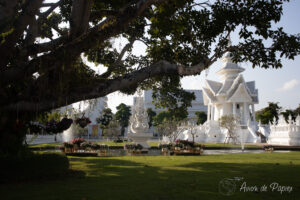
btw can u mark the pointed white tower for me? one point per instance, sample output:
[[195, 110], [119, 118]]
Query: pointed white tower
[[232, 95]]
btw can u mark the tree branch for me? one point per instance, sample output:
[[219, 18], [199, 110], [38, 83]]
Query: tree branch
[[103, 88], [79, 23], [53, 6], [7, 49], [118, 61], [107, 29], [99, 14]]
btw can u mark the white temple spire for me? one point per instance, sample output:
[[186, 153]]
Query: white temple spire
[[229, 40]]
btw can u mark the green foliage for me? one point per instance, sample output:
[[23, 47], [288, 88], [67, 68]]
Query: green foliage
[[105, 117], [266, 115], [151, 115], [288, 113], [160, 117], [48, 116], [201, 117], [297, 111], [292, 113], [122, 116], [169, 95], [173, 115]]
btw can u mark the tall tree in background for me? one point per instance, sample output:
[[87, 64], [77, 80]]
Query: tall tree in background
[[201, 117], [267, 114], [105, 117], [297, 111], [42, 46], [151, 115], [293, 113], [288, 113], [174, 115], [122, 116]]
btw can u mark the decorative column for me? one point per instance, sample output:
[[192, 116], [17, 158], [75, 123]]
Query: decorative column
[[234, 108], [253, 112], [245, 113], [212, 113]]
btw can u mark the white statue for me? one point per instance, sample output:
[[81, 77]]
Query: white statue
[[139, 127], [139, 119]]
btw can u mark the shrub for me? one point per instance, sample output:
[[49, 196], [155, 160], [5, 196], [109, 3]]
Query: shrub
[[101, 147], [133, 147], [165, 146], [185, 143]]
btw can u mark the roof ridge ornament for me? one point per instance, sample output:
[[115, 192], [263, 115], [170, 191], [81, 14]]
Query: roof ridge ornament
[[229, 40]]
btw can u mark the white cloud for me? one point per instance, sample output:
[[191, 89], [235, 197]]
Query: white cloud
[[289, 85]]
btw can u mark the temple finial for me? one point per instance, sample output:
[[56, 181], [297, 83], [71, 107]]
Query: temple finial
[[229, 40]]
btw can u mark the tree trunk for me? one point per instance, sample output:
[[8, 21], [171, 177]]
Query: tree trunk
[[122, 131], [12, 133]]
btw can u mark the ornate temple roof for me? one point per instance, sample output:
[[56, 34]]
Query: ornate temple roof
[[214, 86], [233, 86], [229, 65]]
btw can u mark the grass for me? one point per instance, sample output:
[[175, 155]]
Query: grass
[[222, 145], [48, 145], [167, 177]]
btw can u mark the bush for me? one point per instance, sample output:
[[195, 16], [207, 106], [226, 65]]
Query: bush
[[165, 146], [33, 166], [133, 147], [118, 140]]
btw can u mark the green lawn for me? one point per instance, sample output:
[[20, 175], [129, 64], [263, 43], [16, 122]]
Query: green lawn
[[169, 177], [48, 145]]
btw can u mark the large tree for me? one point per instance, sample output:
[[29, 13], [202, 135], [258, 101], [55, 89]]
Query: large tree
[[42, 46], [122, 116], [105, 118], [267, 114]]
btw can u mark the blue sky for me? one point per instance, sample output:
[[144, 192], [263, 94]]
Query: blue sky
[[274, 85]]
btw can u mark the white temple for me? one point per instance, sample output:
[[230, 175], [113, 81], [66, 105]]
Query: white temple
[[232, 96]]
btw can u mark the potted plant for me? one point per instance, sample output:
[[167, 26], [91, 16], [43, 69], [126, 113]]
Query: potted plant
[[83, 121], [51, 127], [64, 124], [68, 147]]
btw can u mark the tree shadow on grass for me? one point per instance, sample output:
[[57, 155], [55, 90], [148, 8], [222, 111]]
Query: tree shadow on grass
[[117, 178]]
